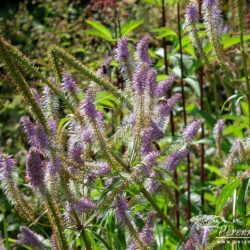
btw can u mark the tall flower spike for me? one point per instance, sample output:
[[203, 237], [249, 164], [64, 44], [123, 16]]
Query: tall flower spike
[[120, 208], [87, 135], [165, 108], [151, 82], [75, 151], [88, 106], [68, 84], [217, 134], [121, 51], [35, 168], [213, 23], [149, 161], [7, 164], [146, 234], [42, 139], [146, 135], [174, 159], [192, 14], [54, 165], [142, 50], [30, 238], [84, 206], [139, 78], [191, 130], [29, 129], [165, 85]]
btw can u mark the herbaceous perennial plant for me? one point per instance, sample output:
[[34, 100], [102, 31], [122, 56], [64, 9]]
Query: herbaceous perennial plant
[[76, 168]]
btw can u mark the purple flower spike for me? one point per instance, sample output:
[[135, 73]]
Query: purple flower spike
[[146, 234], [42, 140], [75, 151], [35, 168], [218, 129], [209, 3], [55, 165], [139, 78], [120, 208], [87, 135], [151, 81], [149, 161], [68, 83], [191, 130], [30, 238], [165, 85], [121, 51], [7, 164], [192, 15], [84, 206], [52, 124], [146, 136], [88, 106], [142, 50], [29, 129], [174, 159], [165, 108]]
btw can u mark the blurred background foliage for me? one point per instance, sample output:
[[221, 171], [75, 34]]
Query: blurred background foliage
[[89, 30]]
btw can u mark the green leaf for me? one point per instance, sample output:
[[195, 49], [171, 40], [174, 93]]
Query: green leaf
[[240, 200], [130, 26], [99, 30], [226, 192]]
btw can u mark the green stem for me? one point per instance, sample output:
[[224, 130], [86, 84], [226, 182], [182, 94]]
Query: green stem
[[161, 214], [56, 219]]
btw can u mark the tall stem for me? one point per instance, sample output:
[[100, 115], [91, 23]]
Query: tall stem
[[184, 113], [238, 5], [172, 125], [202, 148]]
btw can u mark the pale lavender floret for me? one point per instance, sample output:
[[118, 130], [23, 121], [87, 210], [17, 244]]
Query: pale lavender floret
[[121, 51], [142, 50], [191, 130], [35, 168], [7, 164], [174, 159], [29, 129], [165, 108], [88, 106], [120, 208], [54, 165], [75, 151], [30, 238], [146, 234], [84, 206], [139, 78], [165, 85], [149, 161], [68, 83], [130, 120], [87, 135], [103, 70], [146, 135], [192, 14]]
